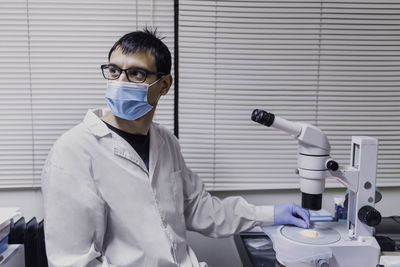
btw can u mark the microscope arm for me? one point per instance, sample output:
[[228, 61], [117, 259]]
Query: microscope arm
[[348, 176]]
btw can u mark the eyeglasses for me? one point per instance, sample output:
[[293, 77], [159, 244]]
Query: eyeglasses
[[134, 74]]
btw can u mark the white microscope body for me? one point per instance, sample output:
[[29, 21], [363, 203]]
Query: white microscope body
[[336, 244]]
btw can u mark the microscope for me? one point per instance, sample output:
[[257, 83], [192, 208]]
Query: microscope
[[329, 244]]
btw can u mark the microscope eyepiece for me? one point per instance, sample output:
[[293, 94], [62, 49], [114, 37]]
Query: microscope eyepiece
[[263, 117]]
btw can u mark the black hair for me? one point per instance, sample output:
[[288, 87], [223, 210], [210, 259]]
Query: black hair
[[144, 40]]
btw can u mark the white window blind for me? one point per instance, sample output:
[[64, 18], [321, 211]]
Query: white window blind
[[50, 57], [334, 64]]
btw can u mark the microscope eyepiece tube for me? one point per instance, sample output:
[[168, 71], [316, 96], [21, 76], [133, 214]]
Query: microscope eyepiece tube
[[269, 119]]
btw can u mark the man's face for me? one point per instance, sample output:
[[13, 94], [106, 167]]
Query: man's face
[[144, 60]]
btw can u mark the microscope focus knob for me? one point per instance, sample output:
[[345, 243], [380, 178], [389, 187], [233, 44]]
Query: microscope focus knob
[[323, 263], [369, 215], [332, 165]]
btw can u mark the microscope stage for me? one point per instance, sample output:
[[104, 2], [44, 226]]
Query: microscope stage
[[316, 235]]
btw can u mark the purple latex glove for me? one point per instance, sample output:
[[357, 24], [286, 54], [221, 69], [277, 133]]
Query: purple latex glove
[[290, 213]]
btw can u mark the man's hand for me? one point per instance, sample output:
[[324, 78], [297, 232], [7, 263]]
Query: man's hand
[[290, 213]]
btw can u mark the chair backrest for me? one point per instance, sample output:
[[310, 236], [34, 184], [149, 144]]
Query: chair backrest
[[17, 231], [41, 248], [30, 243], [32, 236]]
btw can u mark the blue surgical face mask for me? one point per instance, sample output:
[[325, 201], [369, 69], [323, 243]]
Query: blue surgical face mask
[[128, 100]]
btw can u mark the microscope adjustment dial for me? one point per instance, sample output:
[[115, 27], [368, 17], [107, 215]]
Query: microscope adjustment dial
[[369, 215]]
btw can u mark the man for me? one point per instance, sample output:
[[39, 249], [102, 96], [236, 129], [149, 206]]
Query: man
[[116, 189]]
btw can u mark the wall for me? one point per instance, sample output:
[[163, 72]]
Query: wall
[[28, 200], [217, 252]]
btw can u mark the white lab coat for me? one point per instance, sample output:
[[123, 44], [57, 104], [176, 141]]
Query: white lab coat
[[102, 206]]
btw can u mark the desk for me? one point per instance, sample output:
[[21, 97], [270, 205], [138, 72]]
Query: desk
[[255, 249]]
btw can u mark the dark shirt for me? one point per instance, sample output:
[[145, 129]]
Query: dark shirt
[[139, 142]]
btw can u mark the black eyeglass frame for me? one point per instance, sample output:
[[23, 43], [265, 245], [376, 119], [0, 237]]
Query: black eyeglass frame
[[147, 72]]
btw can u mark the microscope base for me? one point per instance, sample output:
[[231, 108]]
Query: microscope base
[[328, 246]]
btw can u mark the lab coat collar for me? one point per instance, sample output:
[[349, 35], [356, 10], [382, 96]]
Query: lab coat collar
[[94, 123], [97, 127], [156, 144], [128, 153]]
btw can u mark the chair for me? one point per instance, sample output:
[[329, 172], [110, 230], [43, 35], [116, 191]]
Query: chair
[[31, 235], [17, 231]]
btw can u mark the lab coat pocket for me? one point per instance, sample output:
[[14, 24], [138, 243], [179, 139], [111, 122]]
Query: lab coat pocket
[[177, 191]]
